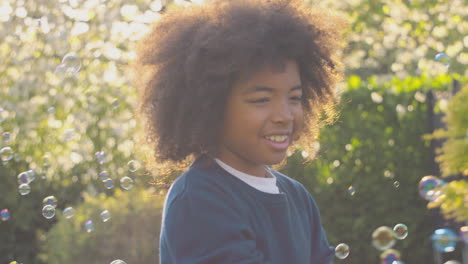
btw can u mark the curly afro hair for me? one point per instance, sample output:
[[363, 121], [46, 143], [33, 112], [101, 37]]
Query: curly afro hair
[[193, 55]]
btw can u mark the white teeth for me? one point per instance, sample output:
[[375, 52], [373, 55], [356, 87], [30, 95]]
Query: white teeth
[[277, 138]]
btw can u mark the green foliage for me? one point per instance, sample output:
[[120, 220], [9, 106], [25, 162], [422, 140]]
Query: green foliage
[[453, 158], [387, 39], [131, 234], [375, 147], [400, 37]]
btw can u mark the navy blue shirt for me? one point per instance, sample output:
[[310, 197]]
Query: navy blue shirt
[[211, 216]]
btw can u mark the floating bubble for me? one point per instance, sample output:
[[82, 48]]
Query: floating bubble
[[429, 187], [105, 216], [351, 190], [103, 175], [108, 183], [464, 233], [89, 226], [68, 134], [118, 261], [133, 165], [31, 174], [382, 238], [396, 184], [442, 58], [389, 256], [24, 189], [48, 211], [444, 240], [6, 137], [50, 200], [126, 183], [4, 215], [71, 65], [51, 110], [115, 103], [69, 212], [342, 251], [23, 178], [101, 157], [400, 231], [6, 154]]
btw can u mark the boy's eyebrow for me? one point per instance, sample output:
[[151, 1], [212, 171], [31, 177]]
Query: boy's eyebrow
[[268, 89]]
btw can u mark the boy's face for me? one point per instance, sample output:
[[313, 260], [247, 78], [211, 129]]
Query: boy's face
[[263, 115]]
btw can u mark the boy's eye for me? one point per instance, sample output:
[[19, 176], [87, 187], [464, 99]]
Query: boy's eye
[[259, 100], [265, 99]]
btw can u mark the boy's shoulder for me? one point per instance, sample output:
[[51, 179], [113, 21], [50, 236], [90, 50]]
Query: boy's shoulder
[[199, 180], [287, 181]]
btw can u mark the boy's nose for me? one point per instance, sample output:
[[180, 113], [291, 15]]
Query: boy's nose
[[282, 113]]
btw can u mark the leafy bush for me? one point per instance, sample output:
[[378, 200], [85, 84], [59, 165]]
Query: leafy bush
[[376, 148], [131, 234]]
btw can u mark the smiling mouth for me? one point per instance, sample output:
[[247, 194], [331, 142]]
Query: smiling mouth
[[278, 142], [277, 138]]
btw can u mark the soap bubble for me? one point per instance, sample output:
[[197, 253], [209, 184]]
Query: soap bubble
[[103, 175], [429, 187], [69, 212], [50, 200], [101, 157], [68, 134], [31, 174], [23, 178], [71, 65], [400, 231], [118, 261], [396, 184], [24, 189], [126, 183], [442, 58], [342, 251], [389, 256], [6, 137], [4, 215], [105, 216], [48, 211], [351, 190], [133, 165], [115, 103], [444, 240], [382, 238], [89, 226], [108, 183], [51, 110], [6, 154]]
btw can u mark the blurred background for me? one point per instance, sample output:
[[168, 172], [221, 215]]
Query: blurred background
[[389, 176]]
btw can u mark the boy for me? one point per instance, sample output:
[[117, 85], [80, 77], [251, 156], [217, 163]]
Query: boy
[[234, 84]]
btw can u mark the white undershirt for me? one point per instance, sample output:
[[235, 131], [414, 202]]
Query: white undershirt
[[267, 185]]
